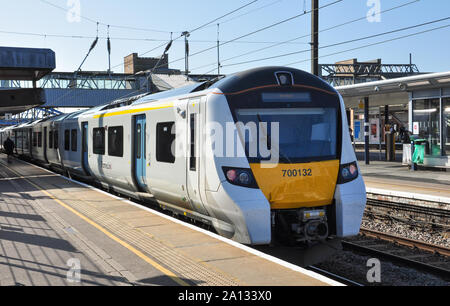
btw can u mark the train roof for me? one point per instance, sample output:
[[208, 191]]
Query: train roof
[[267, 76], [170, 93], [258, 77]]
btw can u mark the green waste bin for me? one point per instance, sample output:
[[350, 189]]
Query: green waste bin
[[419, 151]]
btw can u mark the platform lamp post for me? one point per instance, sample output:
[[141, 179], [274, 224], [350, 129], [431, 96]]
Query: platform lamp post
[[366, 131]]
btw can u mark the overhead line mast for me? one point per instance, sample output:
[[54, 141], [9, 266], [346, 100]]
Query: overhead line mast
[[315, 37]]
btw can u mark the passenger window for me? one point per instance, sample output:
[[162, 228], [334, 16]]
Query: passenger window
[[115, 141], [99, 141], [50, 140], [145, 140], [74, 141], [40, 139], [138, 141], [193, 158], [34, 139], [165, 137], [67, 140], [56, 140]]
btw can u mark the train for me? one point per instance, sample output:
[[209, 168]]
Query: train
[[262, 155]]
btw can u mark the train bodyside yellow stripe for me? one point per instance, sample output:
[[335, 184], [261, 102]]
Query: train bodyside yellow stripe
[[133, 111]]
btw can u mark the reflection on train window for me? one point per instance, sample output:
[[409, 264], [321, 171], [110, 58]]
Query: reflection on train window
[[67, 140], [115, 141], [56, 140], [40, 139], [50, 140], [99, 141], [165, 137], [74, 140]]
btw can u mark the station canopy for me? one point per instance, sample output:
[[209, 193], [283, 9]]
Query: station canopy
[[25, 63], [393, 91]]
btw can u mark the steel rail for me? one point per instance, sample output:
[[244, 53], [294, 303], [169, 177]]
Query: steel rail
[[437, 249], [371, 250]]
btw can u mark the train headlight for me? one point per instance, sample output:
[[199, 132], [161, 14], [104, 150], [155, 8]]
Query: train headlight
[[348, 173], [244, 178], [240, 177]]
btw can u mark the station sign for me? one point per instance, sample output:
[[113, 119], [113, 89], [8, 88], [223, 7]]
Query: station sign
[[416, 129]]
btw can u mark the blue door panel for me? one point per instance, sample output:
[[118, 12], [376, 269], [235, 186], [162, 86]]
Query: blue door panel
[[140, 151]]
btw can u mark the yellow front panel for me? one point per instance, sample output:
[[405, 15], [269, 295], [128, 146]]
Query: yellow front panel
[[288, 186]]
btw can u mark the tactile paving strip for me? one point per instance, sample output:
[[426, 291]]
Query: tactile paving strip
[[188, 269], [183, 266]]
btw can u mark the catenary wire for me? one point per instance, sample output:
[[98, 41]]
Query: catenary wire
[[256, 31], [303, 36], [341, 43]]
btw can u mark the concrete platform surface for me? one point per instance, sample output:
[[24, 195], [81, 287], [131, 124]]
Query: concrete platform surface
[[395, 177], [54, 231]]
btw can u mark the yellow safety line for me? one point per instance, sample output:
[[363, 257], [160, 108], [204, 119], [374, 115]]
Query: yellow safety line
[[110, 235], [132, 111]]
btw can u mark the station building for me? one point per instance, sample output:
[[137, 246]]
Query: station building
[[419, 103]]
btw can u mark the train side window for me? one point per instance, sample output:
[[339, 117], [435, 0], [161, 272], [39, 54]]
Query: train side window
[[34, 139], [145, 139], [40, 139], [99, 141], [193, 158], [74, 143], [115, 141], [165, 137], [138, 141], [67, 140], [50, 139], [56, 140]]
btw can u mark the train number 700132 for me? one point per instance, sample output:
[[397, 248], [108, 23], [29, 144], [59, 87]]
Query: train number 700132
[[297, 172]]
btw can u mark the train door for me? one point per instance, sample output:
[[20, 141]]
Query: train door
[[193, 169], [45, 145], [140, 151], [85, 147]]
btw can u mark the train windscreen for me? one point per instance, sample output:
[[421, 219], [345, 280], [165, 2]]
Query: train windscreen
[[296, 134]]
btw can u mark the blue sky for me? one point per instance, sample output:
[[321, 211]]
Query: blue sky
[[430, 50]]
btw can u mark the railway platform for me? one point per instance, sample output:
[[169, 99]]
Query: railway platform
[[395, 176], [58, 232], [394, 182]]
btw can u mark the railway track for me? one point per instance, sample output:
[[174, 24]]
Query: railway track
[[415, 254], [436, 249], [437, 218]]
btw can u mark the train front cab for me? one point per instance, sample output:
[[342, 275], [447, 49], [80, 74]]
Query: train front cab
[[312, 188]]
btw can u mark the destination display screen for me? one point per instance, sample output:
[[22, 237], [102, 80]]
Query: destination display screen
[[286, 97]]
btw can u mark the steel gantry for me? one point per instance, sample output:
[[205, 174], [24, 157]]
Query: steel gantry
[[347, 74]]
